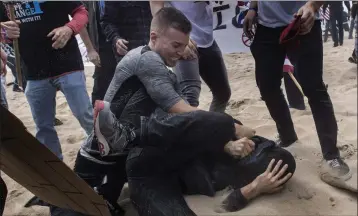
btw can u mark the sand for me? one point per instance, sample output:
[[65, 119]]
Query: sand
[[305, 194]]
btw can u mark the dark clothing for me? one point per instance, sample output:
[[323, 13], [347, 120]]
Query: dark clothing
[[3, 194], [336, 19], [173, 141], [129, 20], [102, 75], [38, 19], [158, 168], [211, 68], [269, 57], [294, 96], [11, 63], [336, 6], [337, 23]]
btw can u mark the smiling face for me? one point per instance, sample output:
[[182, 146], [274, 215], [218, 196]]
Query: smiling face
[[170, 44]]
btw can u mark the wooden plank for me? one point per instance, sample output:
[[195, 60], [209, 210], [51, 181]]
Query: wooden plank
[[103, 209], [33, 166], [39, 166], [65, 200], [21, 167], [80, 185], [82, 200]]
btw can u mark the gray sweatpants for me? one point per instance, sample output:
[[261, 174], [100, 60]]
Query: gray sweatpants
[[211, 67]]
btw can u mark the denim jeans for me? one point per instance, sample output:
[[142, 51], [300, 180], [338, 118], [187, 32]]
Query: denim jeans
[[269, 57], [211, 67], [41, 95]]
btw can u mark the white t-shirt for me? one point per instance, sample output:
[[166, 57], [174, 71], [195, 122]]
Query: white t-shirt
[[200, 14]]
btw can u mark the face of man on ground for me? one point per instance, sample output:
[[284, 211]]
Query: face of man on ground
[[170, 44]]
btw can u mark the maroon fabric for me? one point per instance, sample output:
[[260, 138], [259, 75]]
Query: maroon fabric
[[289, 34]]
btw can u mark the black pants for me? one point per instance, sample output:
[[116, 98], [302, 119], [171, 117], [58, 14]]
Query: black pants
[[103, 75], [171, 142], [337, 22], [11, 63], [211, 68], [269, 57], [3, 194], [176, 143]]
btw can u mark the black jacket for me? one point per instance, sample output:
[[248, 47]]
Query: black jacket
[[129, 20]]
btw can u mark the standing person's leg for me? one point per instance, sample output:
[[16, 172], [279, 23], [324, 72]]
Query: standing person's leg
[[309, 60], [328, 24], [269, 58], [340, 28], [351, 28], [73, 86], [213, 71], [334, 32], [11, 64], [103, 75], [41, 97], [188, 76], [3, 100]]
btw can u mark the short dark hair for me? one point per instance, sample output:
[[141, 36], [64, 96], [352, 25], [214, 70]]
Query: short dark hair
[[169, 17]]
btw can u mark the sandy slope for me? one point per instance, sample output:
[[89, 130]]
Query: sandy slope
[[305, 194]]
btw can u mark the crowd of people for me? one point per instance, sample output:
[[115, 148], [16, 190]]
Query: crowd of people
[[143, 123]]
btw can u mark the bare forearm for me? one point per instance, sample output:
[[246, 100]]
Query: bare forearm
[[86, 39], [155, 6]]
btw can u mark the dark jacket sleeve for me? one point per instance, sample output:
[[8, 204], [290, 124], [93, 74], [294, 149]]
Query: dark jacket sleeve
[[3, 13], [348, 5], [109, 28], [354, 10]]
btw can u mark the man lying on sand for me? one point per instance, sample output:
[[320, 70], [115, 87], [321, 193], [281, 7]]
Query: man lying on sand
[[144, 117], [304, 46]]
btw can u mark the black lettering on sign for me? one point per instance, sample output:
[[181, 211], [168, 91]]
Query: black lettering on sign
[[217, 9]]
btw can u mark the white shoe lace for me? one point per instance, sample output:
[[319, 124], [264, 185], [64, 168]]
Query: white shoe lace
[[334, 163]]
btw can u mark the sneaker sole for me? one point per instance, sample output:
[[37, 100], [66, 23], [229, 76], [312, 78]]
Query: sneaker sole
[[102, 142]]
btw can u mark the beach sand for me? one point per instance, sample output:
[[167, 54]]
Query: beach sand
[[305, 194]]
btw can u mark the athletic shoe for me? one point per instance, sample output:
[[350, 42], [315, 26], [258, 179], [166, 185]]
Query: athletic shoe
[[112, 136], [337, 168]]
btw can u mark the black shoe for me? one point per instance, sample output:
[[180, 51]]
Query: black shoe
[[335, 45], [279, 142], [35, 201], [57, 122], [16, 88], [341, 44], [352, 60]]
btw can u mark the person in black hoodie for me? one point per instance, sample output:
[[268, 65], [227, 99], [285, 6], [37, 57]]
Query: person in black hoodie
[[126, 25], [103, 74]]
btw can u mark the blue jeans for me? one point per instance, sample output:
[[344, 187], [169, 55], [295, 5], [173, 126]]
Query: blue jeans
[[41, 95]]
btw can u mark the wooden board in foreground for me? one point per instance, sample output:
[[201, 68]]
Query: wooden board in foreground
[[36, 168]]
